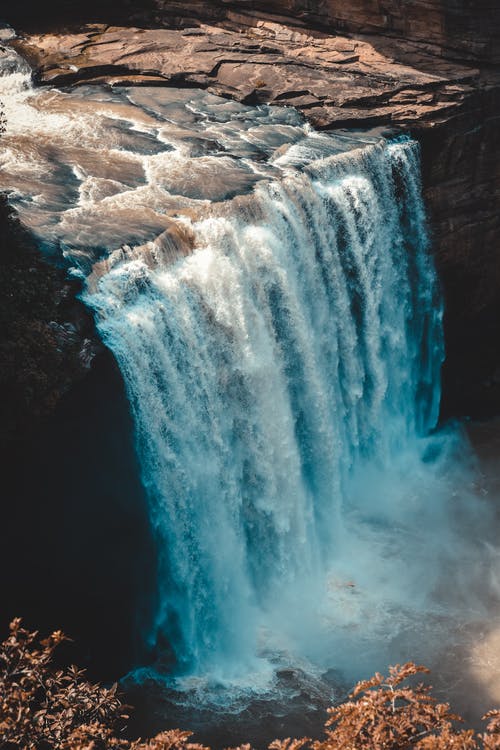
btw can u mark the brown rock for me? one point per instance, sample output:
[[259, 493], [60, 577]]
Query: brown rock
[[454, 28], [349, 79], [452, 106]]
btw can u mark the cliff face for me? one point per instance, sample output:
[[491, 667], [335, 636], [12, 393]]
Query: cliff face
[[456, 28], [74, 536], [47, 338], [429, 67], [461, 171], [459, 27]]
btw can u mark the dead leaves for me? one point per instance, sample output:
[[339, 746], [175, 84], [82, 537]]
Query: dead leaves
[[58, 709]]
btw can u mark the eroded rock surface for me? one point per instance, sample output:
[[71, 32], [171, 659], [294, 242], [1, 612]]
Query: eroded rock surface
[[337, 81], [452, 28], [394, 79]]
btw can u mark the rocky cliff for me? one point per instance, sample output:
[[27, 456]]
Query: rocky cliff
[[75, 545], [462, 29], [47, 337], [455, 28], [424, 66], [461, 170]]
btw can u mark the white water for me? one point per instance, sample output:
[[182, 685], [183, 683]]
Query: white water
[[283, 380], [281, 352]]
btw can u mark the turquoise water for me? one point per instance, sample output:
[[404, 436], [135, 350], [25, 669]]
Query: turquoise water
[[278, 376]]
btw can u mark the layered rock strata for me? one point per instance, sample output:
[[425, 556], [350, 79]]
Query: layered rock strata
[[344, 81], [452, 28], [335, 80]]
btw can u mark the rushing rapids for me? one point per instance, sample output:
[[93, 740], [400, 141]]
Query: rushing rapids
[[270, 298]]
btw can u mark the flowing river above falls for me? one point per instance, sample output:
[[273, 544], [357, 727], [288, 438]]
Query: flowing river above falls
[[270, 297]]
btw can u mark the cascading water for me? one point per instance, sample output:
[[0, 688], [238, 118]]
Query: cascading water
[[299, 342], [270, 298]]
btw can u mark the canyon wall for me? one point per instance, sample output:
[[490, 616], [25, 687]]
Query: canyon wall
[[75, 544], [460, 27]]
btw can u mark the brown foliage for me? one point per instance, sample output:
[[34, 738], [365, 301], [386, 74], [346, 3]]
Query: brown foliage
[[491, 738], [384, 714], [45, 708]]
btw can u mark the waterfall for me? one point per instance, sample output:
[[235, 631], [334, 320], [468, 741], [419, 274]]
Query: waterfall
[[295, 350], [269, 295]]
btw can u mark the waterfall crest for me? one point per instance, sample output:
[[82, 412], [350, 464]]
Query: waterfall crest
[[298, 345]]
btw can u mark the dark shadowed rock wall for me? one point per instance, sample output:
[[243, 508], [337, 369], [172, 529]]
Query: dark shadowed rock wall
[[76, 550], [47, 337], [468, 29], [461, 171], [75, 545]]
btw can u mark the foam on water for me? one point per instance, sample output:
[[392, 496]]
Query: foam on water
[[284, 380], [93, 168]]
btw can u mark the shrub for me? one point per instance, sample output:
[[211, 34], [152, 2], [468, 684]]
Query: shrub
[[46, 708], [42, 706]]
